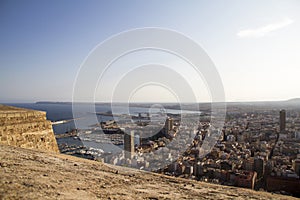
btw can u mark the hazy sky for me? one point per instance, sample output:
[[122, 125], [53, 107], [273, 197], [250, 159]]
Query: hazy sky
[[254, 44]]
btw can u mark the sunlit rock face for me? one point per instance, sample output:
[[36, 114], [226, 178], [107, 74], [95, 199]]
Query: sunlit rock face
[[26, 128]]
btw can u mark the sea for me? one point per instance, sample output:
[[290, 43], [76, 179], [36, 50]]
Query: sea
[[63, 111], [86, 120]]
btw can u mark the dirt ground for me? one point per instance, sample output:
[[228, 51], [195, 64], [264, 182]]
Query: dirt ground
[[29, 174]]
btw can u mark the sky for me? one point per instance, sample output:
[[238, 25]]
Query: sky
[[254, 45]]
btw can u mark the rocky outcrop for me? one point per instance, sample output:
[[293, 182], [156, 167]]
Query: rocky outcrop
[[26, 128]]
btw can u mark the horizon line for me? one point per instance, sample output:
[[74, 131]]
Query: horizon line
[[141, 102]]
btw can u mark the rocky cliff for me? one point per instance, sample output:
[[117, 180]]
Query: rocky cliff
[[26, 128]]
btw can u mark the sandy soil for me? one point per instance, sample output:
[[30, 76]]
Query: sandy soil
[[29, 174]]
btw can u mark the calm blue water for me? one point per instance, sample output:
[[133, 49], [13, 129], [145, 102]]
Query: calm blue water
[[62, 111], [56, 112]]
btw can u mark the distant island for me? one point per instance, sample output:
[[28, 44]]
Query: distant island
[[52, 102]]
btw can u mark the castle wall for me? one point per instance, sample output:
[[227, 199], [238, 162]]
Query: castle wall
[[26, 128]]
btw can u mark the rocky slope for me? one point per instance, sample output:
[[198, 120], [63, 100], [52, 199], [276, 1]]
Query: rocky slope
[[30, 174]]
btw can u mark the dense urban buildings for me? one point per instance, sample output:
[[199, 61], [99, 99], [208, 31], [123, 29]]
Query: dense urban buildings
[[258, 147]]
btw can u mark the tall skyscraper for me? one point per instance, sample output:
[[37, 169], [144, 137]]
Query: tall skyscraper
[[129, 143], [282, 120], [168, 125], [296, 166], [259, 166]]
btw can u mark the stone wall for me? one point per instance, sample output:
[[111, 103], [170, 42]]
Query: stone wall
[[26, 128]]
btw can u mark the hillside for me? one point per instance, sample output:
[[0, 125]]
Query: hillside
[[31, 174], [295, 100]]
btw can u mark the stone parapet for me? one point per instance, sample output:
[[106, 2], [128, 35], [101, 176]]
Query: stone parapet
[[26, 128]]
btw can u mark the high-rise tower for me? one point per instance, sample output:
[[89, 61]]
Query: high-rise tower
[[129, 143], [282, 120], [168, 125]]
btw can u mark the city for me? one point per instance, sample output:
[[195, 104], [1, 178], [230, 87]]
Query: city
[[150, 99], [258, 148]]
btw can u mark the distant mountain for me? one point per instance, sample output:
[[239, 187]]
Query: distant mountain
[[295, 100]]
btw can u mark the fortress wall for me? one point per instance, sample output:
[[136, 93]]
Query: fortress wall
[[26, 128]]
